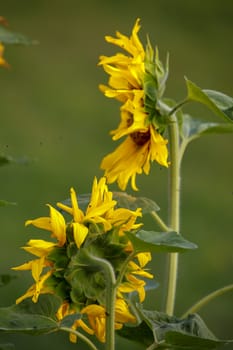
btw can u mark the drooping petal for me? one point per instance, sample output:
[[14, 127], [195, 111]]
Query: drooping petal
[[80, 232], [58, 225]]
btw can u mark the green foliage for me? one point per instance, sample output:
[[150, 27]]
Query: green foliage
[[124, 200], [31, 318], [150, 241], [219, 103], [192, 128], [170, 332]]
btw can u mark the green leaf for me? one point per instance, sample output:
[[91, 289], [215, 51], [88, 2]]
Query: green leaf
[[9, 37], [219, 103], [68, 321], [124, 200], [140, 334], [191, 128], [150, 241], [29, 317], [172, 332]]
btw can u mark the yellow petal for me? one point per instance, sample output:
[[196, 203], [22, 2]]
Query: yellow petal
[[80, 232], [58, 225]]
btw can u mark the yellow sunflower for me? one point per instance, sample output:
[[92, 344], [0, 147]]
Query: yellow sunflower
[[136, 80]]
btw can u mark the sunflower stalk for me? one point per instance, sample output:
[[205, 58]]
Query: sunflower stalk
[[110, 299], [174, 211]]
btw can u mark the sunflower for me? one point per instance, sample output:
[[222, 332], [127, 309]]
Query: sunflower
[[61, 268], [137, 80]]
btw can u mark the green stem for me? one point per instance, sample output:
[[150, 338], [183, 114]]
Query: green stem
[[110, 299], [178, 106], [197, 306], [81, 336], [160, 222], [174, 214]]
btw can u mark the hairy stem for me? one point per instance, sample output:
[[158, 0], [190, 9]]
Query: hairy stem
[[174, 210], [110, 299]]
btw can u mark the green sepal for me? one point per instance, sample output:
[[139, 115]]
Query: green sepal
[[32, 318], [150, 241], [170, 332], [192, 128], [59, 257], [9, 37], [219, 103]]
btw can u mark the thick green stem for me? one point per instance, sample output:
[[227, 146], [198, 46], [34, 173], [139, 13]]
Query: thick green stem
[[174, 214], [197, 306], [110, 299], [81, 336]]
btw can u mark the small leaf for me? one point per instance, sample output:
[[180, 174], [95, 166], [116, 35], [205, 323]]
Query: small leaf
[[150, 241], [9, 37], [192, 128], [29, 317], [219, 103]]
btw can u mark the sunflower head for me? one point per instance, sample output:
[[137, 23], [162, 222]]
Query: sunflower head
[[62, 265], [137, 79]]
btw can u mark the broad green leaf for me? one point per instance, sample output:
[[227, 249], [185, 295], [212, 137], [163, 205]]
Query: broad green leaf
[[192, 128], [150, 241], [5, 279], [9, 37], [29, 317], [124, 200], [140, 334], [172, 332], [219, 103], [183, 341]]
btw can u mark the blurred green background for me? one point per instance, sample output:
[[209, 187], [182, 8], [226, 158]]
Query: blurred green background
[[53, 113]]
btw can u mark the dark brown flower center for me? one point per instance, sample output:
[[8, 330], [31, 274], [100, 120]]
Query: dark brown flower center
[[140, 138]]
